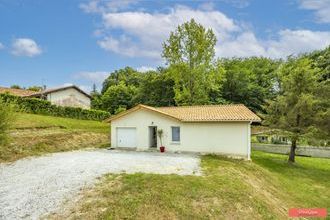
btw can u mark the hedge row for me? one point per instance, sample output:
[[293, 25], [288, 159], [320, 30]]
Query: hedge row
[[43, 107]]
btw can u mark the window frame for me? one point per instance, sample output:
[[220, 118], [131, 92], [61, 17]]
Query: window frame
[[179, 129]]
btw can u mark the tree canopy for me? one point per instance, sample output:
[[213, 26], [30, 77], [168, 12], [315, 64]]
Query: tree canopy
[[296, 107], [189, 53]]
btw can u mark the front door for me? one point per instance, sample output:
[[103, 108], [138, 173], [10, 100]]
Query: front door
[[153, 136]]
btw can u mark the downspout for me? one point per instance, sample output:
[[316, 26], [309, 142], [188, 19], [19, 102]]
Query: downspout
[[249, 141]]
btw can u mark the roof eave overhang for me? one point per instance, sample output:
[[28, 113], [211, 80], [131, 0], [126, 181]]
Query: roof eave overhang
[[191, 121]]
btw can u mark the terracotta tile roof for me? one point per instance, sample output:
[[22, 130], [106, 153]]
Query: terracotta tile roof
[[201, 113], [17, 92]]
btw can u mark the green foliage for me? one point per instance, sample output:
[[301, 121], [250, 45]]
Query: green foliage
[[120, 109], [6, 120], [15, 87], [96, 102], [322, 113], [294, 109], [128, 76], [321, 60], [250, 81], [156, 89], [160, 134], [35, 88], [189, 52], [297, 107], [117, 96], [43, 107], [126, 88]]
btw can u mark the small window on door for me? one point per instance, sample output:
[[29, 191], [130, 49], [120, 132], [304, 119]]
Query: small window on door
[[176, 134]]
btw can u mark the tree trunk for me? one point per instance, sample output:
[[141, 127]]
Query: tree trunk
[[293, 151]]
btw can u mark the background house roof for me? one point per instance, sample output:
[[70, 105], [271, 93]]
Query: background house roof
[[17, 92], [47, 91], [203, 113]]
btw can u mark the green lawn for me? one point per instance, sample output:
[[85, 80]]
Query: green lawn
[[229, 189], [33, 134]]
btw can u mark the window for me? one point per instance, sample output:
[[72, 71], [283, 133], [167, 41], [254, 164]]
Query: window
[[176, 134]]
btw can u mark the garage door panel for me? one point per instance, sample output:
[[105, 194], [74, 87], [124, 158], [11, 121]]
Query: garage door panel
[[126, 137]]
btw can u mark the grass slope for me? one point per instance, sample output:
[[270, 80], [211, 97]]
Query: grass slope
[[230, 189], [38, 134], [33, 121]]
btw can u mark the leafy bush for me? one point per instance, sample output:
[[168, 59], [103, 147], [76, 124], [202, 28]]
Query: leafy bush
[[43, 107], [6, 119]]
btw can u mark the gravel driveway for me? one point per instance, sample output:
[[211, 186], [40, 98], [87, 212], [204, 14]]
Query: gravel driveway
[[30, 188]]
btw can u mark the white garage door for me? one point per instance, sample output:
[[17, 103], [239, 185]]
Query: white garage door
[[126, 137]]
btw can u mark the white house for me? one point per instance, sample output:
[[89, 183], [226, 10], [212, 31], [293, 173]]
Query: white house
[[65, 96], [220, 129]]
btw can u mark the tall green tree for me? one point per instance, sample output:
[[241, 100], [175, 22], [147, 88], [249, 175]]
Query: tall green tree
[[189, 52], [96, 102], [321, 60], [250, 81], [156, 89], [127, 75], [295, 109], [117, 97]]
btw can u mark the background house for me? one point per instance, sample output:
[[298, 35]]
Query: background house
[[65, 96], [71, 96], [222, 129], [269, 136]]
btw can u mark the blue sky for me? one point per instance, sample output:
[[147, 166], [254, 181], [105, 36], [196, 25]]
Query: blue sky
[[81, 41]]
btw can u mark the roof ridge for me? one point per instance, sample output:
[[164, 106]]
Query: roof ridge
[[14, 88], [54, 89], [196, 106]]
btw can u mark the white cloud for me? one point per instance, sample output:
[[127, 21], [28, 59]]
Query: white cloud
[[25, 47], [124, 46], [297, 41], [103, 6], [321, 8], [96, 77], [1, 46], [288, 42], [244, 45], [141, 34], [144, 69]]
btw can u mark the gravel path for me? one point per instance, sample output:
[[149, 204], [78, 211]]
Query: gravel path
[[30, 188]]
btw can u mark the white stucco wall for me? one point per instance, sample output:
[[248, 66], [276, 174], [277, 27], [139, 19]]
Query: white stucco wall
[[229, 138], [69, 97]]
